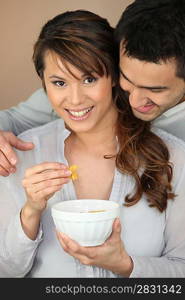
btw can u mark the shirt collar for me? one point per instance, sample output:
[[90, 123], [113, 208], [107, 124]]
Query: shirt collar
[[174, 110]]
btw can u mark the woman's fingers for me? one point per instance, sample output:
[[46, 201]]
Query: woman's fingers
[[73, 248], [42, 181], [48, 192], [37, 187], [116, 231], [46, 176], [44, 167]]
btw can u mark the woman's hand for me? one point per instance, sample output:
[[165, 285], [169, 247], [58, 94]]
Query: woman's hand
[[40, 184], [111, 255], [42, 181]]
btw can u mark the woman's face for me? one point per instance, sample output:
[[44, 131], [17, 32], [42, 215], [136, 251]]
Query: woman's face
[[84, 102]]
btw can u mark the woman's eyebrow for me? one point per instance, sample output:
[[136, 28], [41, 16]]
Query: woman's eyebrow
[[55, 76]]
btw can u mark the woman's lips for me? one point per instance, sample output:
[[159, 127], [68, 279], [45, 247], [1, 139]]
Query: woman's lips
[[145, 108], [79, 115]]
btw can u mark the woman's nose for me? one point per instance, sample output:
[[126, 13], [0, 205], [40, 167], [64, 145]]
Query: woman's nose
[[75, 95]]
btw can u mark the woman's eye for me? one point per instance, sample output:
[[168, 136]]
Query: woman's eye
[[59, 83], [90, 79]]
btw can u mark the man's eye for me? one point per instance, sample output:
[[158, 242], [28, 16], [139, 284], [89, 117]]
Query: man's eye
[[59, 83], [90, 79], [156, 90]]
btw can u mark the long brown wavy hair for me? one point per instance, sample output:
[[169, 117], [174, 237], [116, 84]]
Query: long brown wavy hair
[[143, 155], [86, 41]]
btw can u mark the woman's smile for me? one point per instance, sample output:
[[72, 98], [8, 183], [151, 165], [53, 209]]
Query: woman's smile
[[79, 114], [82, 100]]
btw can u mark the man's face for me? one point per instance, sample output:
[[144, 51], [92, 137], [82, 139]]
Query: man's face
[[152, 88]]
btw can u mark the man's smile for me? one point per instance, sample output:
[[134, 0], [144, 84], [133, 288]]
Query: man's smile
[[145, 108]]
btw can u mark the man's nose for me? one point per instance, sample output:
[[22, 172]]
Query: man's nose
[[137, 97]]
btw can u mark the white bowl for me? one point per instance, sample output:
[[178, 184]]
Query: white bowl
[[87, 221]]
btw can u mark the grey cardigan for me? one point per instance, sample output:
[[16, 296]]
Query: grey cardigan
[[154, 240]]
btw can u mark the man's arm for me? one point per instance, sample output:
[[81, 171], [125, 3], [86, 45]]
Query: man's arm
[[33, 112]]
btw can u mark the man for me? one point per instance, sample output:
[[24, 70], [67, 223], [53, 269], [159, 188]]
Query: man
[[151, 35]]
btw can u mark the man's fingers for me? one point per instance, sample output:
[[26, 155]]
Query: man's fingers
[[24, 146], [17, 142], [4, 172], [5, 164], [8, 152], [7, 141]]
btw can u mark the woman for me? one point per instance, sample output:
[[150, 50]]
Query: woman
[[76, 60]]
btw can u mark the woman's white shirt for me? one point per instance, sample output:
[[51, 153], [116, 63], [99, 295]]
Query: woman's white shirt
[[154, 240]]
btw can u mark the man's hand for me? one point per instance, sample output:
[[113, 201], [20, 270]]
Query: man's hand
[[8, 158]]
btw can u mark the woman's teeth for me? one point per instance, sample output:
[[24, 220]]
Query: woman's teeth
[[79, 113]]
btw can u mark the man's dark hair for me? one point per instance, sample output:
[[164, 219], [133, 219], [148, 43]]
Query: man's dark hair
[[154, 31]]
